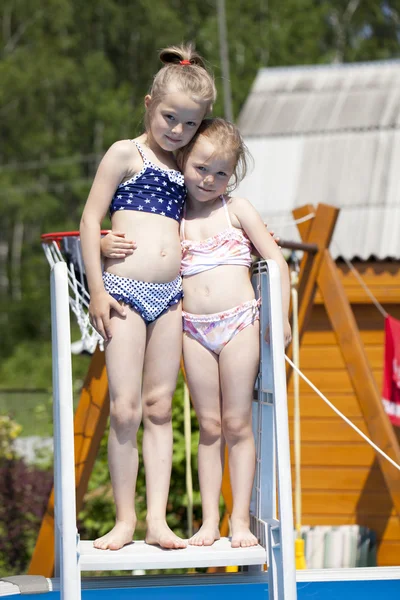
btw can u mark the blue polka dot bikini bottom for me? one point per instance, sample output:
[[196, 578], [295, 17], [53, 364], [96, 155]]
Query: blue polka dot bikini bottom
[[150, 300]]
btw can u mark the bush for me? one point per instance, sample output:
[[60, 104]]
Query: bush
[[9, 431], [24, 492]]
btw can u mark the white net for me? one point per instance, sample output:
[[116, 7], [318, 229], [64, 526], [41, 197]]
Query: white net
[[68, 250]]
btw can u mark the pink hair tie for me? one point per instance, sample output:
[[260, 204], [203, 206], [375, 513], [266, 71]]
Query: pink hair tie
[[185, 62]]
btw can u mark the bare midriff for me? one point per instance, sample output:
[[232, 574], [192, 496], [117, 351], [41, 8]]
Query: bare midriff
[[217, 289], [157, 256]]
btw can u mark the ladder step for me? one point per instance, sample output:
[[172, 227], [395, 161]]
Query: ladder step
[[140, 555]]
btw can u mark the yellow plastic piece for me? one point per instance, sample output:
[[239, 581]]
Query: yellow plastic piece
[[299, 554], [231, 569]]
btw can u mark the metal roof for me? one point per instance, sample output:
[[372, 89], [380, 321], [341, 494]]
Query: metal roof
[[328, 134]]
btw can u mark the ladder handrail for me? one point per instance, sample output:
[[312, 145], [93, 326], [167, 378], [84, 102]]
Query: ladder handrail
[[270, 424], [64, 462], [282, 432]]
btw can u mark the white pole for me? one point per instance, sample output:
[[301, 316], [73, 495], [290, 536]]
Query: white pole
[[64, 475], [296, 404], [282, 434]]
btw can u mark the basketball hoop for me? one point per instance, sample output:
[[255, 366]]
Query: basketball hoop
[[65, 246]]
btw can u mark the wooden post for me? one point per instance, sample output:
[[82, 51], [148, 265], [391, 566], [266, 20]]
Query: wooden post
[[348, 337], [89, 426], [322, 271], [319, 231]]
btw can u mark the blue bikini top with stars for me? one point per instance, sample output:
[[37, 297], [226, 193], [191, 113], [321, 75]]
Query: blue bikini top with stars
[[153, 190]]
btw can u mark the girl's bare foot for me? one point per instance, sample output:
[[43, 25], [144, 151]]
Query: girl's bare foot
[[159, 534], [207, 534], [241, 534], [120, 535]]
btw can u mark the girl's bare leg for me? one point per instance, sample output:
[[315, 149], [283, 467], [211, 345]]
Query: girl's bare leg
[[124, 360], [161, 367], [202, 374], [238, 364]]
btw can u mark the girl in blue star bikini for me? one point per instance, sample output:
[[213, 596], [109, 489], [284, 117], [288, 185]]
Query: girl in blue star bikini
[[136, 306], [220, 316]]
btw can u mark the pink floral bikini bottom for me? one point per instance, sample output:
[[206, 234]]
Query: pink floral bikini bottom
[[216, 330]]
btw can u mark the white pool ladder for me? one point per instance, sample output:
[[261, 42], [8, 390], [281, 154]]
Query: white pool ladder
[[272, 480]]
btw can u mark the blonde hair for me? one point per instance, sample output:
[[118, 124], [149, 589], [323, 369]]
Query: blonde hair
[[191, 77], [226, 138]]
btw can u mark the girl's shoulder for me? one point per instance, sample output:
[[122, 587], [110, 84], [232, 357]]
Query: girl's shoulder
[[235, 201], [236, 205], [127, 155], [124, 149]]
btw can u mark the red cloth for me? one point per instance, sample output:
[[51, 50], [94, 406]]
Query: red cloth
[[391, 374]]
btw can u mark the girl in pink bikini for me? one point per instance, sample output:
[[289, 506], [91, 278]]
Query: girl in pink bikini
[[221, 318]]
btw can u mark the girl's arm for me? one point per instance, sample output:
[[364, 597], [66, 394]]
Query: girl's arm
[[113, 168], [266, 246], [115, 245]]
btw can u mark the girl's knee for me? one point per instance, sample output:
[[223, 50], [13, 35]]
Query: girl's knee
[[210, 430], [125, 415], [157, 407], [236, 428]]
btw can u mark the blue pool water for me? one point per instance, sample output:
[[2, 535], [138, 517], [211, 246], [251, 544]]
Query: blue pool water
[[328, 590]]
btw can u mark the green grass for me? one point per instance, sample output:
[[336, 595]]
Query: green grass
[[29, 368], [31, 410]]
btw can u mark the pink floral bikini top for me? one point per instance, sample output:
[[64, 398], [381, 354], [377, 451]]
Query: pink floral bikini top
[[228, 247]]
